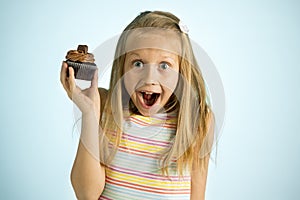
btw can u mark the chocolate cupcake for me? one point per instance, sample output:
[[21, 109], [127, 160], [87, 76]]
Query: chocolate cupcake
[[82, 62]]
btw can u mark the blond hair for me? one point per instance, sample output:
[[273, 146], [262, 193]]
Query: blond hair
[[194, 113]]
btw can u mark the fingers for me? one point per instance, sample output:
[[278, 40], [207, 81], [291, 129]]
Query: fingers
[[63, 73], [71, 80], [69, 84], [94, 83], [63, 77]]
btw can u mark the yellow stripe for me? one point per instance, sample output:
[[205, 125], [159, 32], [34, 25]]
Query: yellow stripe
[[147, 181], [140, 146], [151, 120]]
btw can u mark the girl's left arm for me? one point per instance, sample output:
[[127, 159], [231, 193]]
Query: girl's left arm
[[198, 182], [198, 176]]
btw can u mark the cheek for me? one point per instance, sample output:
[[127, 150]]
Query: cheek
[[130, 82], [170, 81], [167, 93]]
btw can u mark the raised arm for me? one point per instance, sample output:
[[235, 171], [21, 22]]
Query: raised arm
[[87, 175]]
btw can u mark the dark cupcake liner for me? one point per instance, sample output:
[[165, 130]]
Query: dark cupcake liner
[[82, 70]]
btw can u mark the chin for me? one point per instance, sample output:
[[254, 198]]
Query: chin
[[151, 111]]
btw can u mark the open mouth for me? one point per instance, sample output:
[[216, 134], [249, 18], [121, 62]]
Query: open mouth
[[150, 98]]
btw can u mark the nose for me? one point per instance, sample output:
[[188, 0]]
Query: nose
[[150, 76]]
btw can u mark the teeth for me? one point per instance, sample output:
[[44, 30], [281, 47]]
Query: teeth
[[147, 92]]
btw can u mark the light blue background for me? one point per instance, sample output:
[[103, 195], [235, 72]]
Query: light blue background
[[254, 45]]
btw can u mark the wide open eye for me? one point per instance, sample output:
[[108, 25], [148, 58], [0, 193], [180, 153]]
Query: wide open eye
[[164, 66], [138, 64]]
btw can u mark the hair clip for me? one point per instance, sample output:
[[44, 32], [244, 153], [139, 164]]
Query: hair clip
[[183, 27]]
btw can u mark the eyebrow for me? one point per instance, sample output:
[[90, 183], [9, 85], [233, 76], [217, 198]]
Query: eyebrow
[[167, 57]]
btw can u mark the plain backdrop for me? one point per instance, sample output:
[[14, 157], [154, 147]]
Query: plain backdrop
[[253, 44]]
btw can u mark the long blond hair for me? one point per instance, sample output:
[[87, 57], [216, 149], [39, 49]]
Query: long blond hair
[[194, 113]]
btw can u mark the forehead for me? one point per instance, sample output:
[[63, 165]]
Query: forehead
[[163, 40], [152, 52]]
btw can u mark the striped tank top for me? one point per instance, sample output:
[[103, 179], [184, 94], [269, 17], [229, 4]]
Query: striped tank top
[[135, 172]]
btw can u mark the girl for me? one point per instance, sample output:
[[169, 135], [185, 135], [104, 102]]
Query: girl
[[155, 128]]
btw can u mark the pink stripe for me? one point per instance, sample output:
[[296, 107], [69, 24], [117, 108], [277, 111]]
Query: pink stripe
[[104, 198], [147, 188]]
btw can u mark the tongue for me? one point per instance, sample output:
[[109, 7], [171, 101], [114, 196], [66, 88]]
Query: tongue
[[149, 99], [147, 96]]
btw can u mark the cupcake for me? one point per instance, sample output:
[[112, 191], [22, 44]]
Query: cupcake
[[82, 62]]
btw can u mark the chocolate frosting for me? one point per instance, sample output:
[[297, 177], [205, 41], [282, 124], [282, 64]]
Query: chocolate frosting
[[81, 56]]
